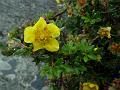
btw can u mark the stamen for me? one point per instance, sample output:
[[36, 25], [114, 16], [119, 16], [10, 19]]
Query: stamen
[[42, 36]]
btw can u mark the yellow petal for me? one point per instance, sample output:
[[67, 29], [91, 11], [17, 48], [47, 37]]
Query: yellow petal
[[53, 29], [58, 1], [91, 85], [85, 84], [109, 36], [86, 88], [37, 46], [52, 45], [40, 25], [97, 87], [109, 28], [29, 35]]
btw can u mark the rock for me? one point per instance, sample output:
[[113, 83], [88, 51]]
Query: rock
[[18, 73], [11, 76], [16, 12], [4, 65], [46, 88]]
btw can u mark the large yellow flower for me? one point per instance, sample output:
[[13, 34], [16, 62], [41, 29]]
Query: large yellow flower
[[90, 86], [104, 32], [42, 35]]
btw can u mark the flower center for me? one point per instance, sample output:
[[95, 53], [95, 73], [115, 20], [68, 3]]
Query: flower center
[[104, 33], [43, 36]]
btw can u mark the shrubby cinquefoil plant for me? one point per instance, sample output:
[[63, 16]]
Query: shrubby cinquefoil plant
[[77, 48]]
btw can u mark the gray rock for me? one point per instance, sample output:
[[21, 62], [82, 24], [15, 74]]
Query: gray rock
[[18, 75], [11, 76], [16, 12], [4, 65], [46, 88]]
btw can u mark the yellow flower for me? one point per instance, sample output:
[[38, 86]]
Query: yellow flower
[[95, 49], [104, 32], [90, 86], [59, 1], [69, 11], [42, 35]]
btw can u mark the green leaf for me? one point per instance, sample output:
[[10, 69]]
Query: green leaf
[[50, 74], [83, 45], [57, 72], [59, 61], [23, 52], [66, 68], [92, 56], [80, 69], [85, 58], [69, 48]]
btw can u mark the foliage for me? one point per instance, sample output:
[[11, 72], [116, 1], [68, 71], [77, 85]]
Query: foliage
[[84, 55]]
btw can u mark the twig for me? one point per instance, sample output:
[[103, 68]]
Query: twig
[[94, 39], [58, 14]]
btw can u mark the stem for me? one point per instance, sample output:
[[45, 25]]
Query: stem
[[62, 82], [94, 39], [60, 13]]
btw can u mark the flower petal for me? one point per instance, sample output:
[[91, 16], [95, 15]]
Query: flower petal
[[53, 29], [58, 1], [86, 88], [92, 85], [109, 36], [40, 25], [109, 28], [29, 34], [37, 45], [52, 45], [97, 87]]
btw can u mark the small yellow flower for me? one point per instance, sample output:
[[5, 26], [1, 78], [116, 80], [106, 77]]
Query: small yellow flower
[[42, 35], [59, 1], [104, 32], [90, 86], [95, 49], [69, 11]]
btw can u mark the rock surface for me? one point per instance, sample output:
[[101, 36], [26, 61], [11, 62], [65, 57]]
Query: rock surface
[[20, 73], [16, 72], [15, 12]]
